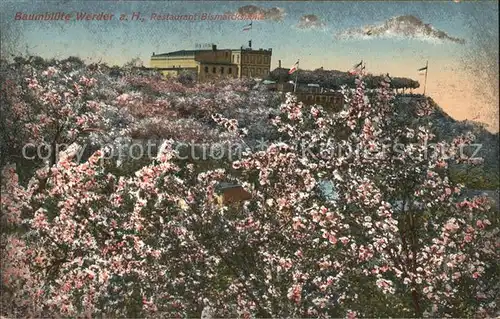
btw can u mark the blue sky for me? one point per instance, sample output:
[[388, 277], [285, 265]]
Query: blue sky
[[119, 41]]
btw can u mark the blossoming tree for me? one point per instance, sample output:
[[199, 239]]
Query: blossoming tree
[[395, 241]]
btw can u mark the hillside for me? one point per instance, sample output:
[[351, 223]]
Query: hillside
[[485, 176], [108, 226], [181, 109]]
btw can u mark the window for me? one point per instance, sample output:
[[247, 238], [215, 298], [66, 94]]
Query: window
[[206, 69], [258, 71], [237, 59], [230, 70], [221, 70], [245, 58], [232, 58], [252, 59], [310, 97], [317, 98], [214, 70], [265, 60], [227, 54]]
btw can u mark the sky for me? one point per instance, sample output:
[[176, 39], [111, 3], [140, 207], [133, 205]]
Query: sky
[[459, 39]]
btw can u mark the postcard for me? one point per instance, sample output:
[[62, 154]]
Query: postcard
[[267, 159]]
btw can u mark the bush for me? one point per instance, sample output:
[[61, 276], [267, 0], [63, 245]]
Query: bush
[[87, 239]]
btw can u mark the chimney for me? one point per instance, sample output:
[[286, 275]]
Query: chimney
[[250, 44], [279, 64], [214, 47]]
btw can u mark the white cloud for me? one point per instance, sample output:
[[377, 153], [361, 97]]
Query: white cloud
[[310, 21], [409, 27]]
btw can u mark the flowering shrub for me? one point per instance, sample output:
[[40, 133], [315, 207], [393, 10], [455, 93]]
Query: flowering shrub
[[52, 107], [395, 241], [57, 103], [48, 106], [430, 249]]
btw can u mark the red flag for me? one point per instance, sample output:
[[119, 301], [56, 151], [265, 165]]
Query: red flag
[[294, 67], [355, 69]]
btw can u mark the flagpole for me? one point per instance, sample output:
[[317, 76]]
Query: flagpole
[[296, 76], [426, 70]]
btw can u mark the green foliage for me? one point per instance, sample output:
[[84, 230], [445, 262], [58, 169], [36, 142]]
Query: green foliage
[[475, 177]]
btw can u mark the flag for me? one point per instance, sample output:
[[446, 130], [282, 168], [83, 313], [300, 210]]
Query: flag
[[355, 69], [387, 78], [247, 27], [294, 67], [422, 69]]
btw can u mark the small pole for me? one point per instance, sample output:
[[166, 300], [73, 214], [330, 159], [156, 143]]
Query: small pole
[[426, 70], [296, 76]]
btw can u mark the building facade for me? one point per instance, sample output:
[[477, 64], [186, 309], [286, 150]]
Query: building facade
[[215, 63], [252, 63], [313, 94]]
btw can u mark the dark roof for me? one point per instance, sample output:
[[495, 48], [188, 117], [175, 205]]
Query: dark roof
[[193, 52], [232, 192], [226, 185], [181, 53], [187, 52]]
